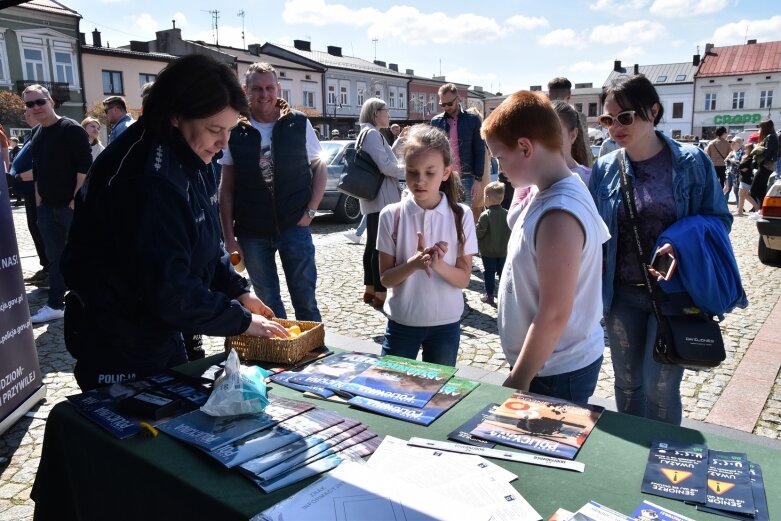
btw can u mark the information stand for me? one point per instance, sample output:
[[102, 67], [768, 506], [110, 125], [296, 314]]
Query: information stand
[[21, 385]]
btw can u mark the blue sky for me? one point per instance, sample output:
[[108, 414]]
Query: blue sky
[[500, 45]]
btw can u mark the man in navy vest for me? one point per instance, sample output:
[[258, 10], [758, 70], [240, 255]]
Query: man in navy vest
[[272, 183]]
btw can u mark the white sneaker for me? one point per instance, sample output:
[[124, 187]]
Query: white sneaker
[[754, 216], [46, 314], [352, 237]]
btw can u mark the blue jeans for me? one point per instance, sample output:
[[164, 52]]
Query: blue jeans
[[53, 224], [297, 253], [440, 343], [732, 185], [643, 387], [492, 266], [467, 181], [576, 386]]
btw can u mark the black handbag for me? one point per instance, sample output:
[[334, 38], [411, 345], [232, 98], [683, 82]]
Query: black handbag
[[692, 341], [361, 178]]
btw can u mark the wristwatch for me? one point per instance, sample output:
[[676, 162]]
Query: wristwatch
[[311, 213]]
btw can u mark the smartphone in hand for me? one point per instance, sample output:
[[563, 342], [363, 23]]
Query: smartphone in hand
[[664, 264]]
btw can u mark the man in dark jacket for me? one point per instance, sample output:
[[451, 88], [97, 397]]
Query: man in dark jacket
[[272, 183], [466, 147]]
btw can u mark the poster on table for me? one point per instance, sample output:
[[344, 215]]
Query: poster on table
[[20, 375]]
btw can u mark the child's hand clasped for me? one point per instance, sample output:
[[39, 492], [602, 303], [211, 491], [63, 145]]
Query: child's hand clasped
[[430, 258]]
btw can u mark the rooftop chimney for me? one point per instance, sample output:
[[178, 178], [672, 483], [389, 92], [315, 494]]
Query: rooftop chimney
[[617, 65], [535, 88], [302, 45], [82, 39], [139, 46], [393, 66], [751, 42], [637, 69], [96, 38], [696, 60], [708, 48], [379, 62], [478, 88], [334, 51], [410, 72], [254, 49]]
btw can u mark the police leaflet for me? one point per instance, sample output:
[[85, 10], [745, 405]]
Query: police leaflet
[[677, 471]]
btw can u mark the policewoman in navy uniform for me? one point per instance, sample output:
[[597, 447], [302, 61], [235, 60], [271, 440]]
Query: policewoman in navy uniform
[[144, 260]]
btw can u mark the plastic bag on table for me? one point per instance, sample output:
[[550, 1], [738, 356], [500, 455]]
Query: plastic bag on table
[[239, 390]]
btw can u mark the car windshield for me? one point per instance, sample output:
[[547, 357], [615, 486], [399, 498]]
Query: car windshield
[[330, 151]]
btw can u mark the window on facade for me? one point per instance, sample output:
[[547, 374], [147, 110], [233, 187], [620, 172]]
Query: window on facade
[[421, 103], [379, 91], [592, 110], [360, 88], [392, 98], [33, 64], [432, 104], [344, 93], [402, 104], [680, 77], [282, 74], [766, 99], [143, 79], [63, 62], [286, 94], [710, 101], [661, 79], [677, 110], [331, 92], [578, 107], [112, 82], [3, 61], [738, 99], [309, 98]]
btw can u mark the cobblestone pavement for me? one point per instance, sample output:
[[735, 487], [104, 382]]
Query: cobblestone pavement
[[339, 297]]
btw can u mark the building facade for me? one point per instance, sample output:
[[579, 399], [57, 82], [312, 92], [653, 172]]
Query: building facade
[[424, 97], [737, 87], [39, 43]]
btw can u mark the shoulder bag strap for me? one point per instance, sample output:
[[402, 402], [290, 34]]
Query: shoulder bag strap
[[631, 213], [361, 137]]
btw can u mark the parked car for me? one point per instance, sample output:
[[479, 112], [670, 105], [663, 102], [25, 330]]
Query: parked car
[[769, 226], [335, 154]]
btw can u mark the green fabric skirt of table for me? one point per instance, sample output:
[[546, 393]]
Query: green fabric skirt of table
[[85, 473]]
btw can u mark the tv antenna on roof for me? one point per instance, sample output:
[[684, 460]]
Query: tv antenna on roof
[[215, 25], [374, 41], [243, 42]]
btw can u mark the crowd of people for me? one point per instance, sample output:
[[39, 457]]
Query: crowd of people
[[141, 231]]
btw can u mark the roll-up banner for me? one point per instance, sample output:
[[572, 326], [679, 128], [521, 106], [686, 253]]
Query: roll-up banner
[[21, 385]]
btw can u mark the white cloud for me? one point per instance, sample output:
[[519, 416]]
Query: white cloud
[[464, 75], [678, 8], [525, 22], [628, 33], [181, 19], [559, 38], [146, 22], [736, 32], [589, 66], [406, 24], [617, 5]]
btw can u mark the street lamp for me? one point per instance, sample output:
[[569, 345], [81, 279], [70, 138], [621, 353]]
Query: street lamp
[[333, 118]]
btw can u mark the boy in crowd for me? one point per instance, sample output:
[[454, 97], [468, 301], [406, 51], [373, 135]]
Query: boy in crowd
[[492, 236]]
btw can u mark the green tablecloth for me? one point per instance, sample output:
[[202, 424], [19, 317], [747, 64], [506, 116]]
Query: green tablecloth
[[85, 473]]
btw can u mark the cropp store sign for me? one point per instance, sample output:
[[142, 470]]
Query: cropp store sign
[[737, 119]]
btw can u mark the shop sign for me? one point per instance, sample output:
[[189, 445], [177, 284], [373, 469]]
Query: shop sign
[[737, 119]]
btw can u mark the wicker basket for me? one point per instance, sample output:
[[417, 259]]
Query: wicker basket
[[279, 350]]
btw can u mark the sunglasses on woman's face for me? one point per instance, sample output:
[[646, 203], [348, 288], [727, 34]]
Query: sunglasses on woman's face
[[39, 102], [625, 118]]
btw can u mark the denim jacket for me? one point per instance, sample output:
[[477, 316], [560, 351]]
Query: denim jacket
[[695, 188]]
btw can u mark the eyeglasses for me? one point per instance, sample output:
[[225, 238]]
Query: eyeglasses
[[40, 102], [446, 104], [626, 118], [105, 111]]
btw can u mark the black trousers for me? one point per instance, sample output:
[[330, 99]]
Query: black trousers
[[31, 212], [759, 184], [371, 257]]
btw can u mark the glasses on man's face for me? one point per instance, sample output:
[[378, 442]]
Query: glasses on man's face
[[625, 118], [40, 102], [105, 111], [448, 104]]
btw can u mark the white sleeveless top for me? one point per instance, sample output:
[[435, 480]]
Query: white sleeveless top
[[582, 341]]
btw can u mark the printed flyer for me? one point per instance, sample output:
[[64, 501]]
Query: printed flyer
[[677, 471]]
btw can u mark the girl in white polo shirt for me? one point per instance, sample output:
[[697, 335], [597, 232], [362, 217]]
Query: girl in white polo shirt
[[426, 243], [550, 295]]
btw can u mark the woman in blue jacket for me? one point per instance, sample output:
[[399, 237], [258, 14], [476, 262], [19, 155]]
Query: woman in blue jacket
[[144, 261], [671, 181]]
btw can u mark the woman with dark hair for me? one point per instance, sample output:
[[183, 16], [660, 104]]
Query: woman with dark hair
[[765, 156], [670, 181], [144, 261]]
